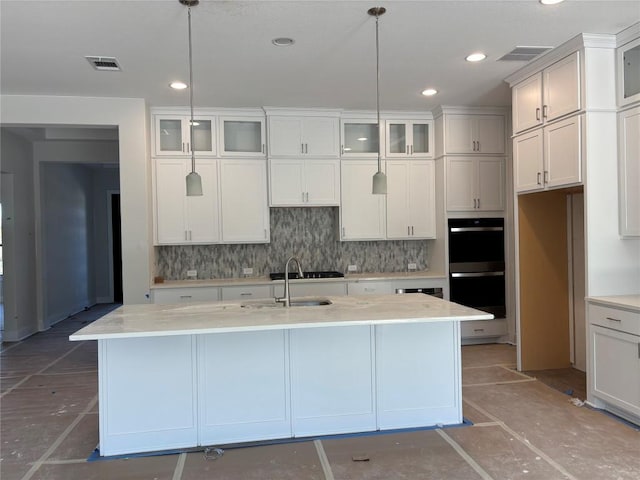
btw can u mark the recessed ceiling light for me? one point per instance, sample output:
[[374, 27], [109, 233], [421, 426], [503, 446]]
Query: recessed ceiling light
[[362, 139], [550, 2], [429, 91], [283, 41], [476, 57], [178, 85]]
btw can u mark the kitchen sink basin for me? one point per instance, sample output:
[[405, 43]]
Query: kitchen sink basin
[[296, 302]]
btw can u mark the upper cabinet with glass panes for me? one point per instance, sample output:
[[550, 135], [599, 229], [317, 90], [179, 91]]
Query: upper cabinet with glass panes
[[408, 138], [173, 135], [242, 135], [629, 73], [360, 137]]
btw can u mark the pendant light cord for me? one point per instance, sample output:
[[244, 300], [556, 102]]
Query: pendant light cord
[[378, 92], [193, 155]]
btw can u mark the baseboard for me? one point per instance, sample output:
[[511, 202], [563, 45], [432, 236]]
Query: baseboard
[[58, 317], [21, 334]]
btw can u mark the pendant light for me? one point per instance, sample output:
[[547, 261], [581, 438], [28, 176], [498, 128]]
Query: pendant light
[[379, 179], [194, 181]]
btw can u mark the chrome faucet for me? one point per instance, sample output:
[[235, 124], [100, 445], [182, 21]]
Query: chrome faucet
[[286, 299]]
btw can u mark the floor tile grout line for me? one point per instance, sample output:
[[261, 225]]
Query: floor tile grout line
[[70, 461], [486, 424], [506, 382], [467, 458], [522, 440], [177, 473], [324, 461], [41, 370], [34, 468]]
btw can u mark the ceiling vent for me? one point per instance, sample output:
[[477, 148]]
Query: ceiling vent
[[524, 54], [104, 63]]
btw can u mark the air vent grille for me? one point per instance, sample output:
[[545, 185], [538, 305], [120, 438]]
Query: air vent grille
[[524, 54], [104, 63]]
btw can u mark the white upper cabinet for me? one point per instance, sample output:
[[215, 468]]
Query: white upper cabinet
[[408, 138], [362, 214], [550, 157], [628, 66], [304, 182], [360, 138], [180, 219], [475, 183], [172, 135], [244, 208], [242, 136], [548, 95], [411, 199], [304, 136], [629, 171], [474, 134]]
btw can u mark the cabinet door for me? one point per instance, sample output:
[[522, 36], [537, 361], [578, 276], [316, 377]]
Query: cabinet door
[[562, 152], [421, 139], [562, 88], [170, 194], [489, 133], [285, 137], [616, 368], [460, 184], [203, 212], [490, 183], [422, 199], [398, 223], [459, 134], [360, 138], [202, 143], [321, 136], [527, 103], [243, 200], [528, 161], [362, 214], [242, 136], [169, 138], [322, 181], [397, 139], [286, 182], [629, 171]]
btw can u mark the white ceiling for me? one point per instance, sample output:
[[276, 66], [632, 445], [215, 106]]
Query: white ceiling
[[332, 64]]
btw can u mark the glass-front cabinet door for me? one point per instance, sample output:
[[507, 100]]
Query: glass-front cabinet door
[[360, 138], [173, 135], [410, 138], [242, 136], [629, 73]]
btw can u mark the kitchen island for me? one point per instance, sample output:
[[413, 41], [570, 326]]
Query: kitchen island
[[178, 376]]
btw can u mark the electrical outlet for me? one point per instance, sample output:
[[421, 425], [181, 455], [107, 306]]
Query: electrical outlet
[[352, 268], [247, 271], [412, 267], [192, 274]]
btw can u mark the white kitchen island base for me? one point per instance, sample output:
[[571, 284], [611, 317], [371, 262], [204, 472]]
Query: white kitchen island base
[[197, 387]]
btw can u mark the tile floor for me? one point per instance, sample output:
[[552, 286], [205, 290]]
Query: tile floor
[[522, 429]]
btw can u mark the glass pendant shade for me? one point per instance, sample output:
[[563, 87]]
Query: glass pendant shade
[[194, 185]]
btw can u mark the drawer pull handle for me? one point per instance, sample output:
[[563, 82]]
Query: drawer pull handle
[[478, 329], [614, 319], [185, 296], [246, 294]]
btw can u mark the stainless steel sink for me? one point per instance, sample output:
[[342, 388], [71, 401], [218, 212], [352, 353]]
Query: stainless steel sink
[[296, 302]]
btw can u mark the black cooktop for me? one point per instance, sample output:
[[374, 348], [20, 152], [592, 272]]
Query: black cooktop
[[295, 275]]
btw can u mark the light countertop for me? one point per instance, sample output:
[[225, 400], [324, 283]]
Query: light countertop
[[150, 320], [227, 282], [628, 302]]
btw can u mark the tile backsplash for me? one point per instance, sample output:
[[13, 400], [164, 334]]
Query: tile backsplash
[[308, 233]]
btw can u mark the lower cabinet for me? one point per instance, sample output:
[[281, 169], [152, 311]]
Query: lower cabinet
[[614, 360], [370, 287], [332, 380], [246, 292], [186, 294], [243, 386]]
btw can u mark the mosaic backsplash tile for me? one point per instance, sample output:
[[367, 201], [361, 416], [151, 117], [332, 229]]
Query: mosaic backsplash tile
[[308, 233]]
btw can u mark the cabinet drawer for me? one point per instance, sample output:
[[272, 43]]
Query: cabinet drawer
[[614, 318], [246, 292], [370, 288], [312, 289], [186, 294], [483, 328]]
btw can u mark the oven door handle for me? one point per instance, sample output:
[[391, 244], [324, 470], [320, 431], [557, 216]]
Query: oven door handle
[[477, 274], [476, 229]]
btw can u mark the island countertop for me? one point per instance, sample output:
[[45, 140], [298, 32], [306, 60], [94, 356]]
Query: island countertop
[[151, 320]]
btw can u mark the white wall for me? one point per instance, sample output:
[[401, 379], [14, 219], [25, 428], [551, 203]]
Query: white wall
[[20, 319], [130, 116], [67, 239]]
